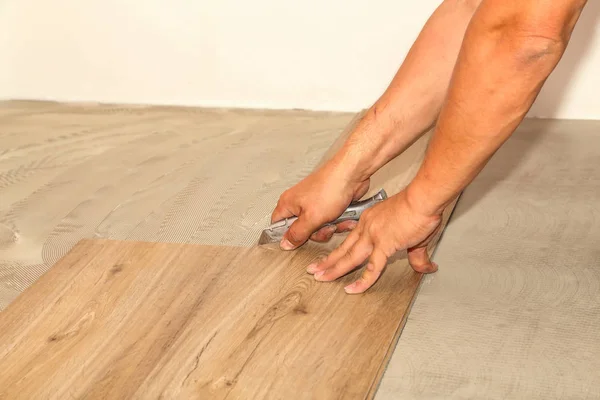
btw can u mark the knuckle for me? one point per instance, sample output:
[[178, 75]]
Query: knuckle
[[365, 280], [312, 215], [367, 213], [378, 260], [355, 254], [320, 236], [327, 233], [280, 202], [386, 253], [293, 236], [377, 233], [284, 198]]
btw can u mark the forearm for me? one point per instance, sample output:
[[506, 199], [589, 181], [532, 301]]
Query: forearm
[[412, 101], [508, 52]]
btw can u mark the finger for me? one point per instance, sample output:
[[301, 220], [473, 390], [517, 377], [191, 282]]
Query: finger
[[362, 190], [335, 255], [298, 232], [346, 226], [419, 260], [353, 258], [370, 275], [281, 211], [324, 234]]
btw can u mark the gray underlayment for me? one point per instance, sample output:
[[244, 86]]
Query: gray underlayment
[[513, 312]]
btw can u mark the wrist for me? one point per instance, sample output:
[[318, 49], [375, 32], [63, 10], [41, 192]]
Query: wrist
[[364, 152], [421, 197]]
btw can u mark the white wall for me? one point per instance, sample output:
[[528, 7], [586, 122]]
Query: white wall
[[315, 54]]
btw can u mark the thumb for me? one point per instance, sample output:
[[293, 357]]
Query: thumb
[[298, 233]]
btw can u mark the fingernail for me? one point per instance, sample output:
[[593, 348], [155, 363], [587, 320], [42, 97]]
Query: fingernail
[[318, 274], [352, 225], [286, 245], [331, 229], [348, 289], [311, 268]]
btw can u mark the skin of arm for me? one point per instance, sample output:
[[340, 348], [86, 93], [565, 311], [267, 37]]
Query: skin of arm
[[485, 105], [411, 104], [404, 112], [509, 50]]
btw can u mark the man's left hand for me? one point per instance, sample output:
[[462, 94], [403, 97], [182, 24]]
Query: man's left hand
[[390, 226]]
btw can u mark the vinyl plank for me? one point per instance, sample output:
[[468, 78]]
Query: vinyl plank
[[117, 319]]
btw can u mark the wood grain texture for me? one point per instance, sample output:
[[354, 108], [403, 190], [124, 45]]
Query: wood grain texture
[[117, 319]]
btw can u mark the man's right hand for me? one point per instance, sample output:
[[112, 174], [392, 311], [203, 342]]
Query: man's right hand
[[318, 199]]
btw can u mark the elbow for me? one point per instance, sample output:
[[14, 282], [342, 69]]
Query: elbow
[[537, 49], [530, 44], [539, 39], [532, 32]]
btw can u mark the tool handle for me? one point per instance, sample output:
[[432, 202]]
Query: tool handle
[[355, 210], [275, 232]]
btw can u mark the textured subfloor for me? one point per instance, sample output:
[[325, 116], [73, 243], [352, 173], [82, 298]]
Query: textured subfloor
[[514, 311], [167, 174]]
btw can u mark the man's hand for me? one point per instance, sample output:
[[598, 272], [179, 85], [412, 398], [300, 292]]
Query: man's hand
[[390, 226], [408, 108], [519, 43], [316, 200]]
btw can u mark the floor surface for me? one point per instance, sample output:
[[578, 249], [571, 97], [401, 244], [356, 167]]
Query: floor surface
[[513, 312], [69, 172]]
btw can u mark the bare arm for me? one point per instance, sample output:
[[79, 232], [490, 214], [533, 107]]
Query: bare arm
[[407, 109], [410, 105], [509, 50]]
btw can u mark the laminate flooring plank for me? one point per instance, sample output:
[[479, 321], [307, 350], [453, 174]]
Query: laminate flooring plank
[[120, 319]]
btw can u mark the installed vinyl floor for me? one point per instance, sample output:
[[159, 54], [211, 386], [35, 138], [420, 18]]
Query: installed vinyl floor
[[513, 312]]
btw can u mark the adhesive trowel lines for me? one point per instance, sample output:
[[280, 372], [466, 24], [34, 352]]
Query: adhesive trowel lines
[[169, 174]]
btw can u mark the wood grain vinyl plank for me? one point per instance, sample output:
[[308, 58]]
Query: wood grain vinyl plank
[[117, 319]]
